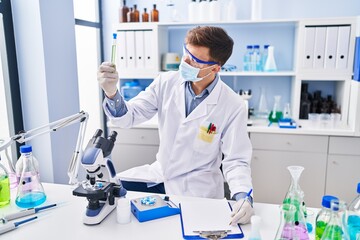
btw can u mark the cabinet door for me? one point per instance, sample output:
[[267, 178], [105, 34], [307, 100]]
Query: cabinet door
[[271, 179], [343, 175]]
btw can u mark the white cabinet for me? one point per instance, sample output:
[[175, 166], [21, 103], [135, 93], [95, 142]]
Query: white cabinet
[[134, 147], [343, 168], [272, 153]]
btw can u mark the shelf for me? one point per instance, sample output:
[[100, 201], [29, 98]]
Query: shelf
[[260, 74]]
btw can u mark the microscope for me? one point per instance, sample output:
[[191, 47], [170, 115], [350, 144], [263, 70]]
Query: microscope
[[101, 187], [246, 95]]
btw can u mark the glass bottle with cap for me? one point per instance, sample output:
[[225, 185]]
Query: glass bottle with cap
[[145, 16], [334, 229], [4, 186], [353, 221], [30, 192], [323, 217], [154, 14]]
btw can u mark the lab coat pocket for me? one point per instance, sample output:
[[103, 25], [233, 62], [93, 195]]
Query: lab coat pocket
[[206, 141]]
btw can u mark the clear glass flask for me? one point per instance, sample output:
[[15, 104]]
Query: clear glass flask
[[263, 110], [270, 64], [4, 187], [353, 221], [334, 229], [288, 228], [30, 192], [323, 216], [295, 197], [276, 114]]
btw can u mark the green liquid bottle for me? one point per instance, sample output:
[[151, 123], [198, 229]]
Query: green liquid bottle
[[4, 187]]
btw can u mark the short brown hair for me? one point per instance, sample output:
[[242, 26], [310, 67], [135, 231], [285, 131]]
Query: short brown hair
[[216, 39]]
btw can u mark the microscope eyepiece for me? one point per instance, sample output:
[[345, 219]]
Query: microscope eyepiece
[[113, 136]]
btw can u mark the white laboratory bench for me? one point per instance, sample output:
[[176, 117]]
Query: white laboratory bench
[[65, 220]]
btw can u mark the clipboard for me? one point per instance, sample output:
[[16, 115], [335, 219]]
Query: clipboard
[[207, 216]]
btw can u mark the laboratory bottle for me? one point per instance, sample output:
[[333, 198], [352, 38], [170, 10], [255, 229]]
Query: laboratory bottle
[[20, 162], [255, 9], [263, 110], [4, 186], [295, 197], [231, 11], [270, 64], [276, 114], [30, 192], [247, 58], [255, 228], [335, 230], [255, 59], [9, 166], [204, 9], [323, 216], [264, 56], [123, 11], [130, 15], [145, 16], [215, 11], [353, 221], [136, 14], [123, 211], [154, 14], [193, 11], [130, 89]]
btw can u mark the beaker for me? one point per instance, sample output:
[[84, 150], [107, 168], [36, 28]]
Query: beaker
[[30, 192], [275, 115], [295, 197], [262, 111], [4, 187], [289, 229], [9, 166]]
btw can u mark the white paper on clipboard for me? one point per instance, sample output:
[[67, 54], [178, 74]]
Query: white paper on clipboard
[[207, 215]]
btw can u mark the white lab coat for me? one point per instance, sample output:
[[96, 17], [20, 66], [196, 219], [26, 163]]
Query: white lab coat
[[186, 163]]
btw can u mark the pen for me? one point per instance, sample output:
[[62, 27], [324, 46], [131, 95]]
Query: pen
[[246, 198], [209, 127], [7, 227], [25, 212]]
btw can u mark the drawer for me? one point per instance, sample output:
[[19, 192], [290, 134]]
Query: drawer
[[344, 145], [141, 136], [289, 142]]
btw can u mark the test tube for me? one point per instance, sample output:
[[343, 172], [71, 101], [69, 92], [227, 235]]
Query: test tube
[[113, 49]]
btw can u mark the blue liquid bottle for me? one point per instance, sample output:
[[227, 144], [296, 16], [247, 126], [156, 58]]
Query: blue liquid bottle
[[354, 217], [30, 191], [247, 58]]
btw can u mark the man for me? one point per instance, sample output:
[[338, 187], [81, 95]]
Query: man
[[202, 125]]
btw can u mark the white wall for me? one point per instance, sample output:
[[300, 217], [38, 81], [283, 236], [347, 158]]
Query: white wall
[[45, 45]]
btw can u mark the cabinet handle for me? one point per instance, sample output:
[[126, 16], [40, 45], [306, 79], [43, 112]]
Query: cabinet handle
[[288, 143], [142, 137], [335, 162]]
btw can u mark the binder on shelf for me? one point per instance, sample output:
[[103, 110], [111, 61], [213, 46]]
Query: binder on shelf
[[200, 219], [309, 47], [330, 47], [343, 47], [149, 49], [130, 47], [319, 48], [139, 47], [121, 51]]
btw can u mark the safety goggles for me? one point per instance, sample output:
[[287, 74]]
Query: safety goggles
[[196, 62]]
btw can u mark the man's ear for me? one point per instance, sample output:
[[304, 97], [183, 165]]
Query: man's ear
[[217, 69]]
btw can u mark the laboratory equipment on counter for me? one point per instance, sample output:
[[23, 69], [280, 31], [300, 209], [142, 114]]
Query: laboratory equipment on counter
[[25, 212], [4, 186], [30, 192], [246, 95], [270, 64], [263, 110], [323, 216], [20, 162], [123, 11], [153, 207], [255, 59], [123, 211], [7, 227], [288, 228], [335, 230], [25, 136], [102, 187], [255, 228], [295, 197], [8, 164], [276, 114], [247, 58], [170, 62], [353, 221], [113, 49], [154, 15]]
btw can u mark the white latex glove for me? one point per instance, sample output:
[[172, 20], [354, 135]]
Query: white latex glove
[[244, 215], [108, 78]]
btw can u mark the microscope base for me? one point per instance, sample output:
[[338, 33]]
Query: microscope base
[[91, 219]]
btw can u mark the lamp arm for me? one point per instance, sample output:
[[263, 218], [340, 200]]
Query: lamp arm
[[24, 136]]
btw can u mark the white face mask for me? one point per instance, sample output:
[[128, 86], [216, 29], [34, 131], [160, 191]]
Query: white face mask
[[190, 73]]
